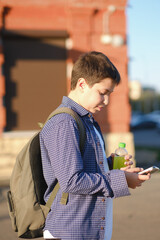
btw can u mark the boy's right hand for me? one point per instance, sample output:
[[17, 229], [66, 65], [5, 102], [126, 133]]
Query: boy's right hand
[[134, 179]]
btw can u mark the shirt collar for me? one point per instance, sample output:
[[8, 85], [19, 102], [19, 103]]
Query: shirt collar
[[68, 102]]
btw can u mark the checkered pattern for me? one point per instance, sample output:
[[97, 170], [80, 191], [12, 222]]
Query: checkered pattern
[[81, 175]]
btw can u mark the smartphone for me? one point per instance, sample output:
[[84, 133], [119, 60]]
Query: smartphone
[[151, 170]]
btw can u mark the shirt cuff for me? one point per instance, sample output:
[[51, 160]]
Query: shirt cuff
[[119, 183]]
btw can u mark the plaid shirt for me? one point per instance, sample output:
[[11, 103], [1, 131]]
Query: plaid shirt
[[81, 175]]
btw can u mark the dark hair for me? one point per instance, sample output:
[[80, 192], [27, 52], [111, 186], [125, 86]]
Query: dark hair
[[93, 67]]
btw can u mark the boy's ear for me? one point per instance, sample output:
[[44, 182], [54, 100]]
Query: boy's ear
[[82, 83]]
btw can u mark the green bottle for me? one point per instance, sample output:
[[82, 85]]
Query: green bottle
[[120, 153]]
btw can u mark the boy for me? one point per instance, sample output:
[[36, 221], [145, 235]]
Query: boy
[[85, 176]]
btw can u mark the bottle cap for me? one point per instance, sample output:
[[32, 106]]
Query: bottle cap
[[122, 145]]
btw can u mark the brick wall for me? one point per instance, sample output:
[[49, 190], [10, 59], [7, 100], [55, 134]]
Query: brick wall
[[2, 81], [85, 21]]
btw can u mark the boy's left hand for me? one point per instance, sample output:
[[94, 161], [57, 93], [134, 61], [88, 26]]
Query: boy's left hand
[[128, 162]]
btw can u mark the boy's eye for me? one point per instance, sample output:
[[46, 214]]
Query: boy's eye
[[104, 93]]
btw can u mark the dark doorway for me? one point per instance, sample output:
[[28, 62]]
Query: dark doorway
[[35, 74]]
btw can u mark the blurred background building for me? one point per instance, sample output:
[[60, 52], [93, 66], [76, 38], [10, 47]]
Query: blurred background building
[[39, 42]]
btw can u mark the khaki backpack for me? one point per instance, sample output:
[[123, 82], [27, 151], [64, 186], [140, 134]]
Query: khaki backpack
[[27, 208]]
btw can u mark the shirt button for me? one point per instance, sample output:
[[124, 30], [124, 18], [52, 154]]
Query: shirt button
[[100, 162], [102, 228], [103, 199], [89, 115], [103, 218], [98, 144]]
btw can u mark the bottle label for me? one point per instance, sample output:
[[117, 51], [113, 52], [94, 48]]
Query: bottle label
[[118, 162]]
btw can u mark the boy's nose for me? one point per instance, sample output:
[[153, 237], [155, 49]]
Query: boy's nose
[[106, 100]]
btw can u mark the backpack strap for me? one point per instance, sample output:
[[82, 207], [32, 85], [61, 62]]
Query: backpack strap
[[53, 195], [82, 133]]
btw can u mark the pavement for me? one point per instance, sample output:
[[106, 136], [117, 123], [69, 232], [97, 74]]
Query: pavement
[[136, 217]]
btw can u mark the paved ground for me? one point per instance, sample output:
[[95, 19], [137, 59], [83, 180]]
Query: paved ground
[[136, 217]]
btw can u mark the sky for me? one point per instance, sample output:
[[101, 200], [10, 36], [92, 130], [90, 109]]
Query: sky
[[143, 30]]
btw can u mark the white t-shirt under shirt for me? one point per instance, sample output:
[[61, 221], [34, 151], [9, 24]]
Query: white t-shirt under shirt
[[109, 204]]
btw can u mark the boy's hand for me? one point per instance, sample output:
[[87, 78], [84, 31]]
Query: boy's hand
[[128, 162], [133, 179]]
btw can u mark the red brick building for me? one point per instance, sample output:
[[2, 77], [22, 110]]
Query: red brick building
[[40, 40]]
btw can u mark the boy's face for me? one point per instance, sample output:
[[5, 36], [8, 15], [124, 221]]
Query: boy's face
[[97, 97]]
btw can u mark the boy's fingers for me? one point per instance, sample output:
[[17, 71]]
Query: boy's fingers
[[128, 163], [125, 168], [144, 177], [136, 169], [127, 157]]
